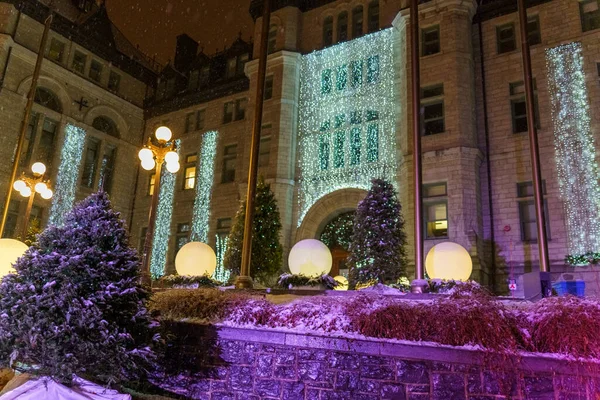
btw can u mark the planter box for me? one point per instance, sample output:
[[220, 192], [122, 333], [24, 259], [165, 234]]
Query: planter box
[[576, 288]]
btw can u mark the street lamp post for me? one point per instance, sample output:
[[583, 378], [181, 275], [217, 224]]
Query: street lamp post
[[28, 186], [151, 156]]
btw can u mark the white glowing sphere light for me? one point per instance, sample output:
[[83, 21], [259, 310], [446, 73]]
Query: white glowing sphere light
[[172, 157], [196, 259], [38, 168], [148, 164], [449, 261], [173, 167], [26, 192], [10, 251], [19, 185], [41, 187], [163, 134], [310, 257], [47, 194], [145, 154]]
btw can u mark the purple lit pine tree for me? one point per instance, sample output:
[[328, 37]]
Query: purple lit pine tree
[[75, 305], [377, 253]]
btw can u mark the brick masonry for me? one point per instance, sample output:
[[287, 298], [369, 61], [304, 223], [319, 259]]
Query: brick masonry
[[251, 364]]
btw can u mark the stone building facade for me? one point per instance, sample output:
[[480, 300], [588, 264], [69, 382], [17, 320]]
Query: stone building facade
[[87, 121], [338, 111]]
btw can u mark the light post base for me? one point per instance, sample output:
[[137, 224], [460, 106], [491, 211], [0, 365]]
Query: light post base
[[546, 284], [244, 282], [418, 286]]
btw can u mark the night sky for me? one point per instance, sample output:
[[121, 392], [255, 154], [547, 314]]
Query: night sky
[[154, 24]]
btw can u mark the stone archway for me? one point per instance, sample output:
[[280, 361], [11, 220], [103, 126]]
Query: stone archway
[[326, 209]]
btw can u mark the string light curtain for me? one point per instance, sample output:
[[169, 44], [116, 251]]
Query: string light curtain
[[575, 152], [204, 184], [347, 111], [68, 172]]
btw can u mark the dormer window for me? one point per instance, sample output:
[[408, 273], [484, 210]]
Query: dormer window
[[235, 65]]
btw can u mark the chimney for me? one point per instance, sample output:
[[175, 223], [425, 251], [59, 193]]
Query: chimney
[[185, 52]]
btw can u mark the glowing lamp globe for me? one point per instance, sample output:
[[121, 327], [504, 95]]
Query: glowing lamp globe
[[163, 134], [26, 192], [145, 154], [342, 282], [19, 185], [173, 167], [172, 157], [449, 261], [148, 164], [47, 194], [196, 259], [41, 187], [310, 257], [10, 251], [38, 168]]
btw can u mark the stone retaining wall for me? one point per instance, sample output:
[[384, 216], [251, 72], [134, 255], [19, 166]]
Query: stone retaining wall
[[243, 364]]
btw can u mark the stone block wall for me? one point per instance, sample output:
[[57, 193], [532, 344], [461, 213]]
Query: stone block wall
[[236, 364]]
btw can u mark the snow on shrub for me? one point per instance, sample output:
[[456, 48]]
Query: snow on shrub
[[566, 325]]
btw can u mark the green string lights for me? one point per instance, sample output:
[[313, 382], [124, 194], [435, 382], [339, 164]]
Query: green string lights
[[68, 171], [575, 152], [204, 184], [346, 133], [164, 213]]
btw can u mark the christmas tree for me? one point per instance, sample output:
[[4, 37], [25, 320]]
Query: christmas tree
[[377, 253], [75, 304], [267, 253]]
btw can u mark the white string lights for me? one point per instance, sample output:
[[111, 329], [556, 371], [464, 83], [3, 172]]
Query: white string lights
[[575, 153], [347, 134], [68, 172], [162, 230], [204, 184], [221, 274]]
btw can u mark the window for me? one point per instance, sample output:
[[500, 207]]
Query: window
[[107, 167], [435, 207], [268, 87], [200, 115], [56, 51], [228, 111], [342, 27], [189, 122], [324, 151], [241, 63], [373, 69], [79, 61], [240, 109], [106, 125], [231, 67], [518, 106], [328, 31], [534, 35], [95, 71], [430, 40], [357, 22], [265, 151], [373, 16], [46, 98], [189, 172], [91, 159], [151, 184], [182, 237], [589, 12], [193, 80], [432, 108], [114, 81], [235, 65], [47, 139], [326, 81], [356, 70], [85, 5], [229, 161], [505, 38], [272, 42], [170, 88], [527, 215]]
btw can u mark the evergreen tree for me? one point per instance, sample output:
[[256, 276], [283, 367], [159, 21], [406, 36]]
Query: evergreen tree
[[33, 230], [75, 304], [267, 252], [377, 253]]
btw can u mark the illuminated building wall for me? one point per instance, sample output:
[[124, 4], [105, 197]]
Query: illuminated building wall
[[346, 125]]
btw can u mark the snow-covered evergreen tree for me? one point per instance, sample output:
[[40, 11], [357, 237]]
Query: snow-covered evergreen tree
[[75, 304], [377, 253], [267, 253]]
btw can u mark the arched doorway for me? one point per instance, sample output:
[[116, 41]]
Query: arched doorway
[[337, 235]]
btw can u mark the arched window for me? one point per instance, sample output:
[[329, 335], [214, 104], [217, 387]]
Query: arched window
[[106, 125], [357, 22], [342, 27], [46, 98], [374, 16], [272, 44], [328, 31]]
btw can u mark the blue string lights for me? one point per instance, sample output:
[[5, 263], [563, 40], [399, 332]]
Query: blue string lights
[[346, 132], [204, 184], [162, 230], [575, 152], [68, 172]]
